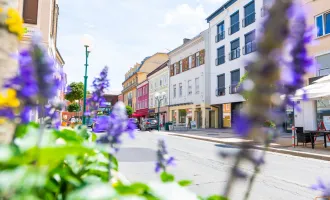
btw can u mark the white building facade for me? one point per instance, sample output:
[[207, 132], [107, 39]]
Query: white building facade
[[232, 33], [159, 84], [188, 93]]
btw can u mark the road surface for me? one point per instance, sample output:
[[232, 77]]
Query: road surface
[[284, 176]]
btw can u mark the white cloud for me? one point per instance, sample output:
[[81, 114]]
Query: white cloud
[[192, 20]]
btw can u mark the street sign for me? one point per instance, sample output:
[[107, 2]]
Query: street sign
[[193, 125]]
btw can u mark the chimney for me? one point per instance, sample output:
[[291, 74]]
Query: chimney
[[185, 40]]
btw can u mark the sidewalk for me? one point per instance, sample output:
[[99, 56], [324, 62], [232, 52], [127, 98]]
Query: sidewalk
[[282, 145]]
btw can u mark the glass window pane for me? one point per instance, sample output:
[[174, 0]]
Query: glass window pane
[[250, 37], [327, 23], [319, 25], [234, 18], [221, 51], [249, 9], [235, 44], [221, 27]]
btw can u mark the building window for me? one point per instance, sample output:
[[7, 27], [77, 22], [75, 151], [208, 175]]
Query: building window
[[151, 86], [180, 90], [197, 85], [189, 87], [180, 63], [160, 82], [249, 14], [30, 11], [174, 91], [221, 90], [235, 50], [235, 78], [175, 66], [323, 24], [234, 23], [151, 102], [221, 56], [165, 79], [197, 59], [220, 32], [190, 62], [250, 44]]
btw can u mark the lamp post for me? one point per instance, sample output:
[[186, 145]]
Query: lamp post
[[87, 42], [159, 98]]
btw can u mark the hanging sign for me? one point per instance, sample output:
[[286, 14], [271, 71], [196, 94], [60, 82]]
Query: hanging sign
[[193, 125]]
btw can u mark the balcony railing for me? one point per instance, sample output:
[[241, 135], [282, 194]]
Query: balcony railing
[[234, 89], [235, 54], [249, 19], [220, 60], [249, 47], [220, 91], [234, 28], [220, 36], [323, 71]]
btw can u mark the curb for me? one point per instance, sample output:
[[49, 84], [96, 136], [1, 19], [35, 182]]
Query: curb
[[270, 149]]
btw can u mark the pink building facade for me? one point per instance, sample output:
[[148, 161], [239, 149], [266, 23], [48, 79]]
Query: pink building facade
[[142, 104]]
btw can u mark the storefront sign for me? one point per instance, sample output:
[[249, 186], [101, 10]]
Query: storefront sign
[[193, 125], [151, 110], [326, 121]]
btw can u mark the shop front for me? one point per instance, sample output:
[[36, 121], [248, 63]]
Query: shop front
[[224, 115], [162, 115], [183, 115], [152, 113]]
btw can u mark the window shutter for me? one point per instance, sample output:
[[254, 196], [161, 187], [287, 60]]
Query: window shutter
[[178, 68], [185, 64], [193, 61], [172, 70], [202, 57], [30, 11]]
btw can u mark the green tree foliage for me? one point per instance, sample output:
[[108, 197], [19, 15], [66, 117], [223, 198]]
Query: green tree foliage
[[129, 110], [74, 107], [244, 77], [77, 92]]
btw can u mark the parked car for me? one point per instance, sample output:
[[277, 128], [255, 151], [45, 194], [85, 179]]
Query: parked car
[[148, 124], [100, 123], [135, 121]]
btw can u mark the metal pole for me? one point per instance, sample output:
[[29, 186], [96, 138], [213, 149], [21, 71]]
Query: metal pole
[[85, 86]]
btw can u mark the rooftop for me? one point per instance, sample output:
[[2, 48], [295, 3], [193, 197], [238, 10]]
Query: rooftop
[[220, 10]]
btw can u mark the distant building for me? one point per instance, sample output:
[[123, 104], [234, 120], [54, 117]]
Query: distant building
[[121, 98], [138, 74], [189, 92], [158, 83], [142, 95]]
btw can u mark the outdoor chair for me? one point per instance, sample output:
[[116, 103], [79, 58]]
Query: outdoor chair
[[302, 137]]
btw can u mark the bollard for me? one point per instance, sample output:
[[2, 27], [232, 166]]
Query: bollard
[[293, 137]]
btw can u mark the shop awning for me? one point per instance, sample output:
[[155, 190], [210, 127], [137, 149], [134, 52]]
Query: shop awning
[[137, 115]]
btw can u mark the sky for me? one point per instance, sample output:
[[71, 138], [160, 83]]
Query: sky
[[125, 32]]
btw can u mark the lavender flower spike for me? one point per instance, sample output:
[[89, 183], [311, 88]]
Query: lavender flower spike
[[163, 159], [116, 125]]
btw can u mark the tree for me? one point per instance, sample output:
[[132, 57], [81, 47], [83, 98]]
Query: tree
[[74, 107], [129, 110], [244, 77], [76, 93]]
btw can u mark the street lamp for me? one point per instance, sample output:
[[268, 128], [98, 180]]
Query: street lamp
[[87, 41], [159, 98]]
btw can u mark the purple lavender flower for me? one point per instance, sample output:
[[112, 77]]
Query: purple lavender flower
[[323, 187], [116, 125], [163, 159], [7, 113], [99, 85], [243, 125]]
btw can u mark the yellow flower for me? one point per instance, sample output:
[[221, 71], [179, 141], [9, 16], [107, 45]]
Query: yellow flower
[[2, 120], [15, 23], [10, 100]]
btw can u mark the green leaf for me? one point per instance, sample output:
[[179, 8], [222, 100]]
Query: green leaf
[[166, 177], [114, 163], [94, 137], [216, 197], [94, 192], [69, 135], [139, 189], [184, 183]]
